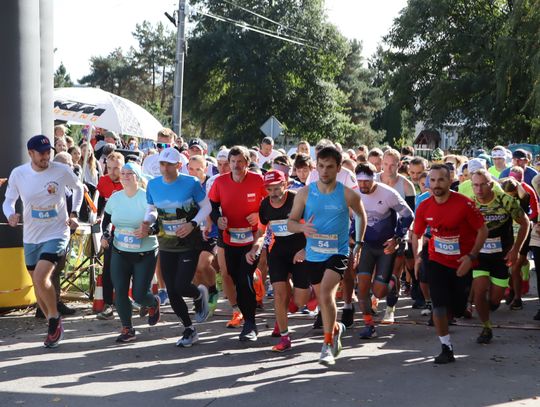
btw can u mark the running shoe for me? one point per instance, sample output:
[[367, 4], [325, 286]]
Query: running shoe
[[485, 336], [326, 357], [213, 303], [143, 311], [201, 304], [336, 346], [163, 297], [537, 316], [63, 309], [374, 305], [509, 296], [406, 289], [154, 313], [283, 344], [446, 356], [517, 304], [427, 310], [249, 332], [55, 333], [393, 294], [368, 332], [189, 337], [135, 307], [269, 290], [236, 320], [276, 333], [305, 310], [127, 335], [389, 315], [107, 313], [347, 316], [318, 324]]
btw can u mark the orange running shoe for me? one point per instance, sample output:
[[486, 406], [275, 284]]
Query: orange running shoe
[[236, 321]]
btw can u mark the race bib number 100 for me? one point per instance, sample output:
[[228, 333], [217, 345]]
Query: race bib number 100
[[447, 245]]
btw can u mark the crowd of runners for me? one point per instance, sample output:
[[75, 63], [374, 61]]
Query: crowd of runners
[[362, 224]]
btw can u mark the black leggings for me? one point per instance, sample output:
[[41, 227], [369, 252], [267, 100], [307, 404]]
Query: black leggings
[[242, 275], [178, 270]]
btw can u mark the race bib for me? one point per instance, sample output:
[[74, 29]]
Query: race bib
[[327, 244], [446, 245], [44, 213], [170, 226], [279, 228], [241, 235], [492, 245], [126, 239]]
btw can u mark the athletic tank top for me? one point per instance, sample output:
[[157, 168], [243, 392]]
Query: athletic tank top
[[329, 214]]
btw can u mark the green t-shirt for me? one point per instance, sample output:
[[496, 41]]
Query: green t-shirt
[[494, 171], [465, 188], [127, 214]]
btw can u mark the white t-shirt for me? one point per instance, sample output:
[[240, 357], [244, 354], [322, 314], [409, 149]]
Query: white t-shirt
[[345, 176], [261, 159], [44, 200], [151, 165]]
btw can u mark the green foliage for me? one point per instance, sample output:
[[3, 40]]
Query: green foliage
[[62, 78]]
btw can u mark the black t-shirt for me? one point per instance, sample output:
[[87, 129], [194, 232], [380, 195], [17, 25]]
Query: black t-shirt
[[284, 242]]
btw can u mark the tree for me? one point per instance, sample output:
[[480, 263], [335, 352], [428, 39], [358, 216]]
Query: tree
[[62, 78]]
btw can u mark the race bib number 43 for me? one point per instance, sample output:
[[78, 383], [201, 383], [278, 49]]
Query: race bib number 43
[[447, 245], [327, 244]]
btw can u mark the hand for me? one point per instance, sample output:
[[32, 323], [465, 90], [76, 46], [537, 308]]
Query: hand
[[3, 181], [356, 255], [390, 246], [253, 219], [252, 255], [143, 231], [299, 257], [13, 220], [511, 257], [308, 228], [73, 223], [222, 223], [104, 243], [184, 230], [464, 266]]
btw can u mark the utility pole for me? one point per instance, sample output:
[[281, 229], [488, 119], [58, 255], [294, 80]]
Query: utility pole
[[179, 69]]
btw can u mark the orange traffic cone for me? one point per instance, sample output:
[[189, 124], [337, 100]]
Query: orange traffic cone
[[98, 304]]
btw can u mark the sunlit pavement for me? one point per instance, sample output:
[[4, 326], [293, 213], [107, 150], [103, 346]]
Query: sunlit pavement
[[90, 369]]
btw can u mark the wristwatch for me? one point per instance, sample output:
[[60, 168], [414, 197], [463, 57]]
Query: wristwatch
[[195, 224], [359, 243], [74, 214], [473, 257]]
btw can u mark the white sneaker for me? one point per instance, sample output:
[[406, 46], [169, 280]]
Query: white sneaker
[[336, 348], [426, 312], [189, 337], [326, 357], [389, 315]]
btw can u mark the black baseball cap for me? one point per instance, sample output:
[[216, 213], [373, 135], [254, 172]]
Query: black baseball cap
[[519, 154], [39, 143], [197, 142]]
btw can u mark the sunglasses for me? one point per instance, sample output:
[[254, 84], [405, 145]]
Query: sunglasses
[[163, 145]]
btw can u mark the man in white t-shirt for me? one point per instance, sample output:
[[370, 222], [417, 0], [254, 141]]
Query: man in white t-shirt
[[165, 139], [266, 152], [41, 185]]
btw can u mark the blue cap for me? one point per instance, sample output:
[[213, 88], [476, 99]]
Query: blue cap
[[39, 143], [136, 168]]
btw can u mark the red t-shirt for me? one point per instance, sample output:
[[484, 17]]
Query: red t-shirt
[[106, 186], [454, 225], [238, 200]]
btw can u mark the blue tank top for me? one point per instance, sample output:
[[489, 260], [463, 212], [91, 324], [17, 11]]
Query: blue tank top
[[331, 220]]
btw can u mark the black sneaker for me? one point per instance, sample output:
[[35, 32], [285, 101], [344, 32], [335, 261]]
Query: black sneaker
[[446, 356], [516, 305], [55, 333], [508, 300], [127, 335], [154, 313], [486, 336], [537, 316], [347, 317], [318, 321], [63, 309], [249, 332]]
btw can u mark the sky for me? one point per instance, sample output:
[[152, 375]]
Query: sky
[[86, 29]]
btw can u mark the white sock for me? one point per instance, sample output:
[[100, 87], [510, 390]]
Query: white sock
[[445, 340], [347, 306]]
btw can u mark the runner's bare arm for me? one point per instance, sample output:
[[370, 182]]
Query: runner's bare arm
[[297, 211], [355, 203], [523, 231]]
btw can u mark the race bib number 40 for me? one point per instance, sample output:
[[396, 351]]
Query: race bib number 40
[[492, 245], [241, 235], [126, 239], [279, 227], [447, 245], [327, 244], [44, 214], [170, 226]]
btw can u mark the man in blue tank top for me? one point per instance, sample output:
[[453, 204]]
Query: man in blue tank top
[[324, 206]]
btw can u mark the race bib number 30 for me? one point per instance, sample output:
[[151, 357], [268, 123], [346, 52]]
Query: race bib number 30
[[241, 235], [327, 244], [44, 214], [170, 226], [492, 245], [125, 239], [279, 228], [447, 245]]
